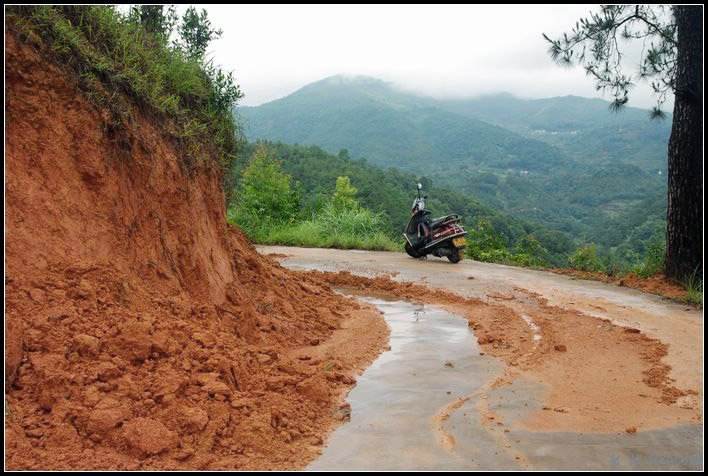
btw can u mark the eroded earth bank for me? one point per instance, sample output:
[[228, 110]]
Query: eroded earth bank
[[140, 331]]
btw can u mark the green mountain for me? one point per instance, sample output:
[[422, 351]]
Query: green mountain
[[583, 129], [567, 163], [371, 119]]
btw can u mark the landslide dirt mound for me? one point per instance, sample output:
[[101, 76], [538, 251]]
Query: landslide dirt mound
[[141, 331]]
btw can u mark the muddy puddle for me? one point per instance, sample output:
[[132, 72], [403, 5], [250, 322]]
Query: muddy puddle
[[400, 402], [415, 408]]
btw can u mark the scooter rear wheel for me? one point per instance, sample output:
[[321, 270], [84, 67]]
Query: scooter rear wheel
[[456, 255]]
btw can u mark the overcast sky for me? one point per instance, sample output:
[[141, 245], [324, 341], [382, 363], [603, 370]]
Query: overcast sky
[[438, 50]]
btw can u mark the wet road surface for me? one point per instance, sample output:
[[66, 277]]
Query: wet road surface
[[414, 409], [404, 419]]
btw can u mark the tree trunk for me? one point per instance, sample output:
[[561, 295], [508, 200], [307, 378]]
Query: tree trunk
[[684, 217]]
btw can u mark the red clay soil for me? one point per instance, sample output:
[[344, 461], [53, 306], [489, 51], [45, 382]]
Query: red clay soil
[[600, 377], [140, 331], [656, 284]]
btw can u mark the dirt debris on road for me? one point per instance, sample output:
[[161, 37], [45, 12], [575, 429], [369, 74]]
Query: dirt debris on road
[[657, 284], [606, 380], [114, 375]]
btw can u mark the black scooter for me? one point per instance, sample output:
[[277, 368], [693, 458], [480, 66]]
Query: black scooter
[[440, 237]]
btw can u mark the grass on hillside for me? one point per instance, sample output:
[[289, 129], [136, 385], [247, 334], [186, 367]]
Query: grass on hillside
[[694, 290], [115, 59], [310, 235]]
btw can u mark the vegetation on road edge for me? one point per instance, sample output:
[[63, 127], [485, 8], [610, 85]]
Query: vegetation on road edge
[[272, 208], [267, 208], [389, 193]]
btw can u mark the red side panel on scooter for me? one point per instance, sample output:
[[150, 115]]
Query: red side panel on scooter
[[448, 229]]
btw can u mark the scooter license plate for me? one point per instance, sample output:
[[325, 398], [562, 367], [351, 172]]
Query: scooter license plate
[[459, 242]]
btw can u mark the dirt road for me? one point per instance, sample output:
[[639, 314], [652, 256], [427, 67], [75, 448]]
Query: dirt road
[[611, 377]]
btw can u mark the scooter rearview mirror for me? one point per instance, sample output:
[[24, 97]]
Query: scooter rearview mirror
[[420, 186]]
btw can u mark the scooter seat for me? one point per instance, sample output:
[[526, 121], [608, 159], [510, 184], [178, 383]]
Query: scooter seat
[[439, 221]]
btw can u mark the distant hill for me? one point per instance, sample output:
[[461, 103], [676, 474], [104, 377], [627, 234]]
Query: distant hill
[[582, 128], [567, 163], [371, 119]]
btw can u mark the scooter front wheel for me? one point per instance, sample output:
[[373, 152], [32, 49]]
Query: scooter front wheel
[[411, 252]]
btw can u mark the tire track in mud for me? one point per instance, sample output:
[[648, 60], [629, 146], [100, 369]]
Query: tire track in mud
[[489, 419], [446, 440]]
